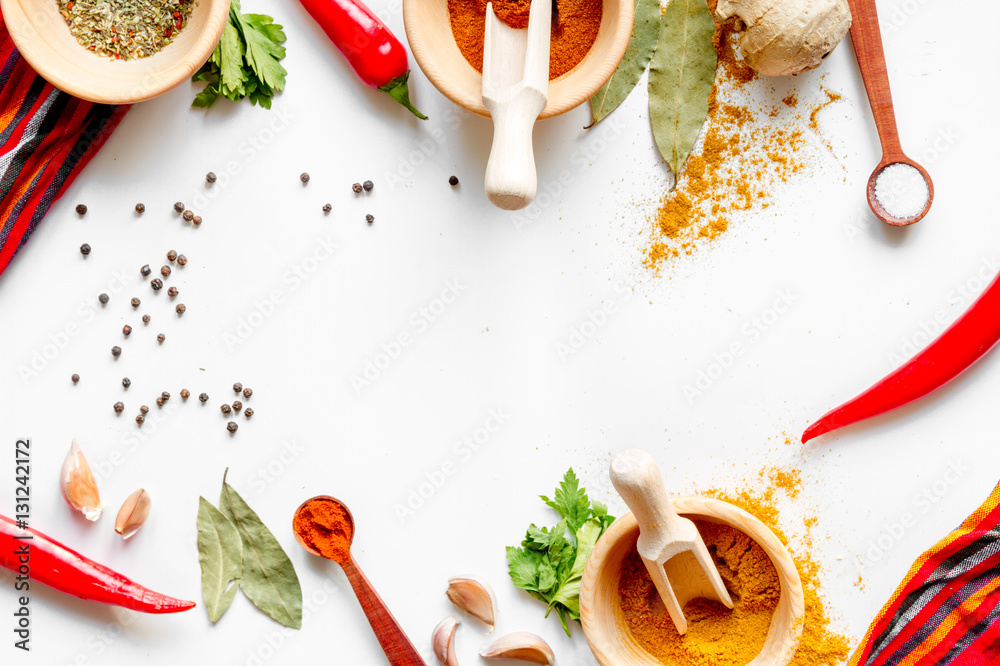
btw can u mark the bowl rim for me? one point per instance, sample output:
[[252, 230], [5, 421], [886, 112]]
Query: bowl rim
[[21, 28], [707, 507], [422, 53]]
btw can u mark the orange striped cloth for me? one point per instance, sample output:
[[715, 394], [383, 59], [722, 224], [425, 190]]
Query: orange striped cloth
[[947, 610], [46, 138]]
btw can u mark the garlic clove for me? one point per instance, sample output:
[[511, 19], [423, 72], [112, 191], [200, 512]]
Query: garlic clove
[[444, 641], [79, 487], [133, 513], [474, 596], [521, 646]]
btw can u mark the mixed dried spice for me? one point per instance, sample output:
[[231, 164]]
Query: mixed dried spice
[[125, 29]]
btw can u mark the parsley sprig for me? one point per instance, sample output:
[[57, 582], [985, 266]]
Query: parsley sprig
[[245, 62], [550, 562]]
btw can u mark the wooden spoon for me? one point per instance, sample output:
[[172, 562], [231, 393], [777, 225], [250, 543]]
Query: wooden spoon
[[396, 645], [867, 38]]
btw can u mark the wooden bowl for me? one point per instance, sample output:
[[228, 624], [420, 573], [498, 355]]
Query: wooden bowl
[[428, 30], [42, 37], [602, 616]]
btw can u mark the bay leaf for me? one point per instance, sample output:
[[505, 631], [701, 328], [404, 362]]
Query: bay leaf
[[220, 553], [680, 79], [642, 44], [268, 579]]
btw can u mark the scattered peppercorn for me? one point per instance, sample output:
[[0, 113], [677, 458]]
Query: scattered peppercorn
[[136, 302], [140, 419], [357, 188], [165, 271], [85, 249], [116, 351], [160, 338], [140, 208], [126, 382], [248, 413], [369, 218], [145, 319], [226, 408], [237, 387], [179, 206], [231, 427], [188, 216], [81, 209], [165, 395], [196, 221], [237, 406], [119, 408], [247, 392], [327, 208], [144, 409], [181, 309], [211, 177], [369, 186], [75, 378], [185, 394], [104, 298], [126, 330], [203, 397], [156, 284], [453, 181], [159, 402], [172, 255], [182, 260], [145, 270], [304, 178], [172, 292]]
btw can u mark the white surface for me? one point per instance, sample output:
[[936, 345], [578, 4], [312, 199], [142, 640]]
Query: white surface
[[861, 292]]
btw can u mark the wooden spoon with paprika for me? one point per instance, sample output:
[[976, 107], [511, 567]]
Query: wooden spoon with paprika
[[325, 527]]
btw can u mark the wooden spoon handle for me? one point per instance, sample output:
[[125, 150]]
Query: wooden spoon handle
[[637, 479], [396, 645], [867, 38]]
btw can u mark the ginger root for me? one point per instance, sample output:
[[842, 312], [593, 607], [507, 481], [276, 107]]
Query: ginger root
[[783, 37]]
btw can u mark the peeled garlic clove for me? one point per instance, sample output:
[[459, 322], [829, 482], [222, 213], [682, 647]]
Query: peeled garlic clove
[[79, 487], [133, 513], [444, 641], [521, 646], [474, 596]]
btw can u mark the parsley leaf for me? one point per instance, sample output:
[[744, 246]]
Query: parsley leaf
[[550, 561], [245, 63]]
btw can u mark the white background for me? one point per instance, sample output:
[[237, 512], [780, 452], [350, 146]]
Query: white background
[[860, 294]]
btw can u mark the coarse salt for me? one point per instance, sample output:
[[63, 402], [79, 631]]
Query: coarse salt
[[902, 191]]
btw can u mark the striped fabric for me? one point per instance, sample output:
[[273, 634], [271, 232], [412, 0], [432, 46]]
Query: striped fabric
[[947, 610], [46, 138]]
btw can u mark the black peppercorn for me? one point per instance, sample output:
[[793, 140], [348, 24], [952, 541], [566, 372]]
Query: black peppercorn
[[211, 177], [172, 255], [75, 378], [159, 402], [179, 206], [145, 319], [226, 409], [85, 249], [188, 216], [181, 309], [327, 208], [172, 292], [144, 409], [304, 178], [145, 270], [126, 329], [140, 208], [182, 260], [165, 396], [247, 392], [369, 218], [165, 271], [203, 397], [116, 351], [104, 298], [237, 387], [160, 338], [231, 427], [185, 394], [248, 413], [81, 209], [140, 419], [119, 408], [369, 186], [136, 302], [156, 284], [237, 406], [126, 382], [453, 181], [357, 188], [196, 221]]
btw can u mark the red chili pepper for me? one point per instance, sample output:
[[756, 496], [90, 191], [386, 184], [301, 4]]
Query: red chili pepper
[[55, 565], [378, 58], [967, 340]]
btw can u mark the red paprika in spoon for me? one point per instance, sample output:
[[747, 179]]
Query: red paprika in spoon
[[378, 58]]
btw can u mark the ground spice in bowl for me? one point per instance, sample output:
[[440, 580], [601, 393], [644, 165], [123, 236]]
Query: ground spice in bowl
[[125, 29], [575, 24], [326, 527], [716, 636]]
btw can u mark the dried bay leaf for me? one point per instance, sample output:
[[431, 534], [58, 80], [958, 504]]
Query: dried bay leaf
[[680, 79], [639, 52], [269, 579], [220, 553]]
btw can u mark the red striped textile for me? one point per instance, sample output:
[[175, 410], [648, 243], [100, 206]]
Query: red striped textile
[[946, 612], [46, 138]]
